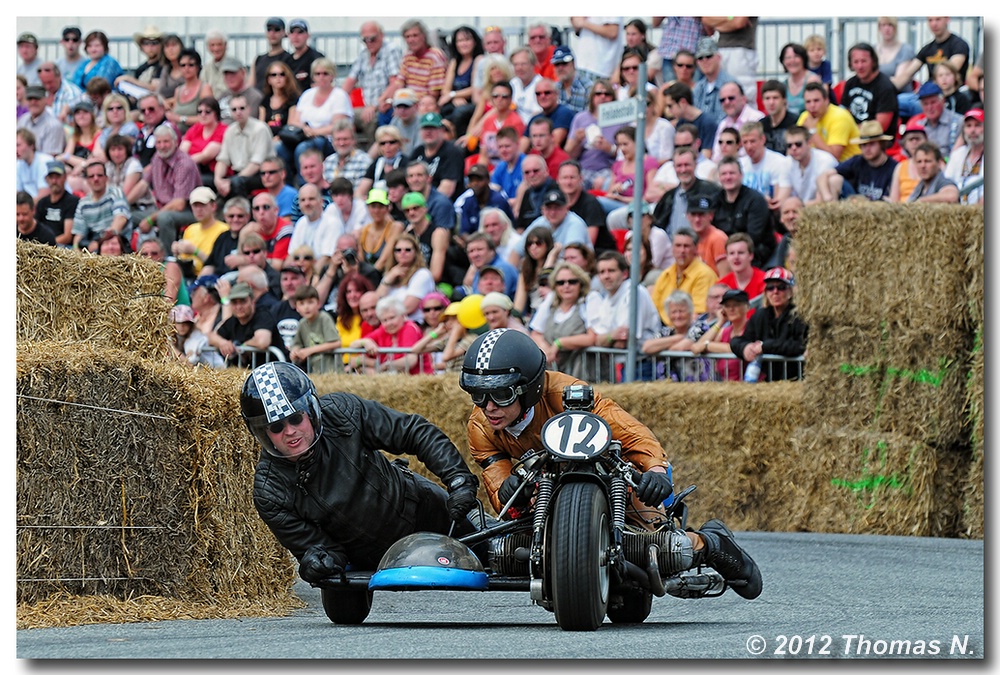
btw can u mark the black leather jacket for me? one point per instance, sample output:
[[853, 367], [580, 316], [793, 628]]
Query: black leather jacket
[[345, 494]]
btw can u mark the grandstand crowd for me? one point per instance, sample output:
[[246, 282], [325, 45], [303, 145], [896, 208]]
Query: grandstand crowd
[[380, 221]]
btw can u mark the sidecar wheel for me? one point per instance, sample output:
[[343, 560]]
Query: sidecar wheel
[[578, 557], [635, 607], [346, 606]]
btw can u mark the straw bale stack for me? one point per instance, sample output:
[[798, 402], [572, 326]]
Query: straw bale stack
[[134, 478], [114, 301]]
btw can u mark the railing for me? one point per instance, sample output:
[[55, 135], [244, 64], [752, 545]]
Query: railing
[[608, 365], [251, 357]]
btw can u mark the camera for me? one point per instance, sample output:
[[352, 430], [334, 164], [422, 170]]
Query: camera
[[350, 256]]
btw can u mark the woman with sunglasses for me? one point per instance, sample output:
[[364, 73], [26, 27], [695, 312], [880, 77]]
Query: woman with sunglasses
[[592, 145], [530, 293], [389, 155], [775, 328], [560, 326], [203, 141], [318, 108], [82, 141], [628, 82], [408, 277], [115, 113], [281, 94], [186, 98]]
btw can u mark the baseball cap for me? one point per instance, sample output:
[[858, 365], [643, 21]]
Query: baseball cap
[[554, 197], [275, 22], [412, 199], [207, 280], [34, 91], [779, 274], [376, 196], [706, 47], [55, 166], [299, 24], [82, 104], [735, 294], [496, 299], [915, 124], [479, 170], [431, 119], [562, 54], [405, 96], [230, 65], [976, 114], [700, 204], [929, 89], [492, 268], [294, 269], [240, 290], [202, 195], [30, 38], [645, 209]]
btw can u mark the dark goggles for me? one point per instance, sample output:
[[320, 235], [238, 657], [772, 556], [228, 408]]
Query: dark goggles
[[279, 426], [503, 397]]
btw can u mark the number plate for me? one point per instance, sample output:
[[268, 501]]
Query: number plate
[[576, 435]]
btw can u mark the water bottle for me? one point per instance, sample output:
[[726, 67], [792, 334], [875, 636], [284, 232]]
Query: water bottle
[[753, 370]]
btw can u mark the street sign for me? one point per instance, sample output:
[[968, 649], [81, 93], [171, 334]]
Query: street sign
[[618, 112]]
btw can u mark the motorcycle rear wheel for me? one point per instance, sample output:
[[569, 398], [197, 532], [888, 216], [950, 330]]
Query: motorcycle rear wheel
[[347, 607], [579, 573], [635, 607]]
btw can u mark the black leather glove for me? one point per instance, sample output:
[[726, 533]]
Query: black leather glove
[[318, 564], [653, 488], [461, 501], [507, 490]]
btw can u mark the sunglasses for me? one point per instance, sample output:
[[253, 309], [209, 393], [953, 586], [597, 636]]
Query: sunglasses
[[683, 65], [388, 142], [253, 251], [602, 93], [796, 144], [370, 40], [277, 74], [403, 250], [116, 108], [571, 282], [545, 93], [433, 308], [71, 39], [626, 69], [534, 242], [503, 397], [729, 142], [146, 110], [776, 287], [263, 207], [269, 172], [726, 99], [302, 257]]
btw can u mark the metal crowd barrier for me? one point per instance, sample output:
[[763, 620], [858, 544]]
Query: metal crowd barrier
[[252, 357]]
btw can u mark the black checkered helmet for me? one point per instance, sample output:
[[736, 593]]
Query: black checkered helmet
[[504, 360], [273, 392]]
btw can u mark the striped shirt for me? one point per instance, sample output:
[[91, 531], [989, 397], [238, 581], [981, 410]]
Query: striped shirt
[[354, 168], [92, 217], [424, 74]]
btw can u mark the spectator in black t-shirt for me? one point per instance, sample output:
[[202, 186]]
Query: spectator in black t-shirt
[[585, 205], [868, 174], [27, 227], [57, 209], [870, 94]]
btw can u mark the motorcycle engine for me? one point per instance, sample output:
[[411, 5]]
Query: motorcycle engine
[[508, 554], [675, 554]]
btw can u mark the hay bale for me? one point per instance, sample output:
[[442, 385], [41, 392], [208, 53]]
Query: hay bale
[[859, 481], [974, 509], [906, 381], [135, 478], [866, 264], [114, 301]]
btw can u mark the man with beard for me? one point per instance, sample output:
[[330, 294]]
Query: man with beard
[[966, 164], [171, 176]]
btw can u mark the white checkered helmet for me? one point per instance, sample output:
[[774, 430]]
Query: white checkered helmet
[[273, 392], [501, 361]]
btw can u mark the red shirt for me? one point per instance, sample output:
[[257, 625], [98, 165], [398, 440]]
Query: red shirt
[[553, 161], [278, 241], [407, 336]]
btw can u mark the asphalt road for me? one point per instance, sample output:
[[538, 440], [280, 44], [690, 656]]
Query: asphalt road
[[825, 597]]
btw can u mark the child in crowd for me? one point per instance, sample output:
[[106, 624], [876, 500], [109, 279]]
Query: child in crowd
[[818, 63], [317, 337], [189, 344]]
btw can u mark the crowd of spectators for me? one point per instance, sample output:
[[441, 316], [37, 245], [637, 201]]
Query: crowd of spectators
[[456, 185]]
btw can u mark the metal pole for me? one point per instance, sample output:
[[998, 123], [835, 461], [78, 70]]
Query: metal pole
[[639, 186]]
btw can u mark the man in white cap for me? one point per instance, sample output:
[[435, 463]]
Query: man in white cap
[[195, 247]]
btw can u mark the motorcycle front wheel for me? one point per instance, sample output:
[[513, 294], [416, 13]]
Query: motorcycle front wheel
[[347, 607], [579, 573]]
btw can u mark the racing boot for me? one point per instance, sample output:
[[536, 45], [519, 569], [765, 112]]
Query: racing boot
[[729, 559]]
